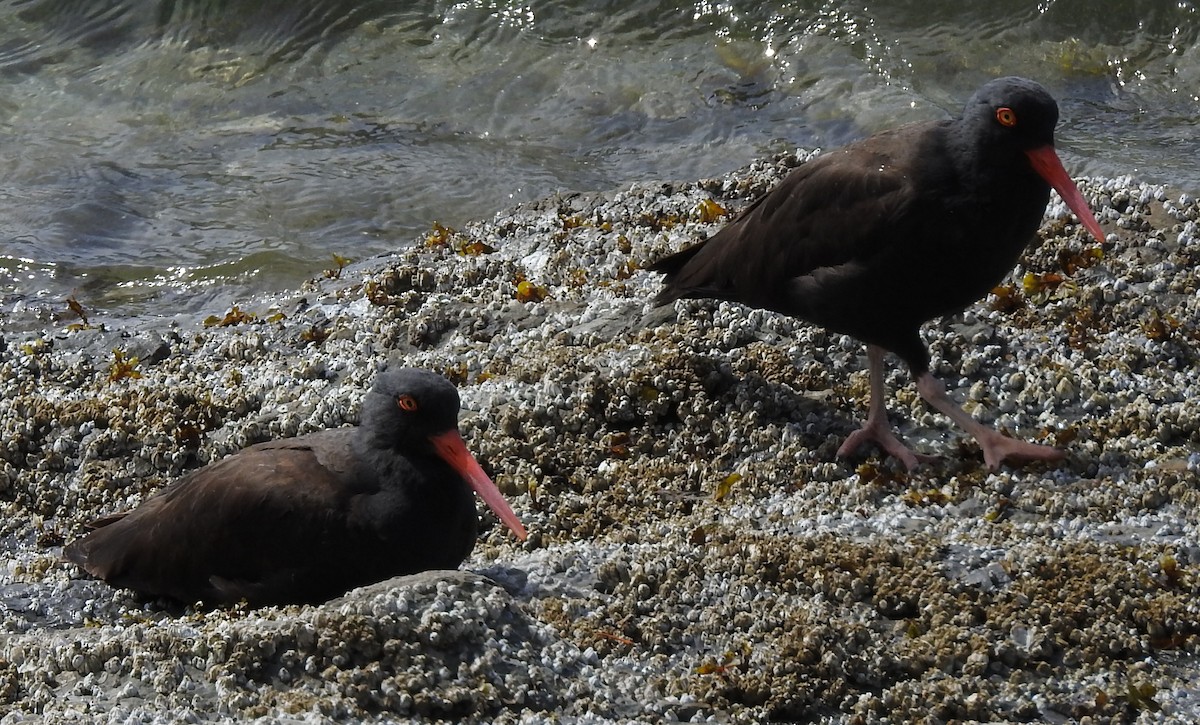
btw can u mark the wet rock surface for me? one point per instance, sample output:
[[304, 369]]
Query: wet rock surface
[[696, 551]]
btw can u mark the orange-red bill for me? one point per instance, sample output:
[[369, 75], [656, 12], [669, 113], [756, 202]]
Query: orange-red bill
[[1050, 168], [450, 447]]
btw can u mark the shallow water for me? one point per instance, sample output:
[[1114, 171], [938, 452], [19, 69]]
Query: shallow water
[[179, 156]]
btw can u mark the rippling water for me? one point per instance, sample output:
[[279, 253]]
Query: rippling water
[[181, 155]]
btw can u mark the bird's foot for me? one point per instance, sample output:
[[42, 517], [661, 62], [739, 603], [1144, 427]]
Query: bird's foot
[[999, 449], [885, 438]]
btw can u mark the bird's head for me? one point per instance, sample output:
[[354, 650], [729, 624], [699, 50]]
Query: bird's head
[[415, 411], [1012, 114], [406, 407], [1010, 121]]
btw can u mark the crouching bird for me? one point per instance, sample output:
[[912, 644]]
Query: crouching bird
[[876, 238], [306, 519]]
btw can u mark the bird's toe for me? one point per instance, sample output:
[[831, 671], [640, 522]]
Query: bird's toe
[[887, 440], [999, 449]]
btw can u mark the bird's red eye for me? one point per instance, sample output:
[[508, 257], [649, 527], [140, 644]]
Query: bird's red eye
[[407, 402], [1006, 116]]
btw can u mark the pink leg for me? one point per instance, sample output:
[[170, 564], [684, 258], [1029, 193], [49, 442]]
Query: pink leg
[[997, 447], [877, 430]]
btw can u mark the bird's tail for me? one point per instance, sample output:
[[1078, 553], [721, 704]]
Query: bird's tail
[[670, 266]]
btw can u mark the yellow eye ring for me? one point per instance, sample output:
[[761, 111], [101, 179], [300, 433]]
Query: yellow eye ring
[[1006, 117], [407, 403]]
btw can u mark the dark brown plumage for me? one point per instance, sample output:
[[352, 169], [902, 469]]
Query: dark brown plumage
[[306, 519], [876, 238]]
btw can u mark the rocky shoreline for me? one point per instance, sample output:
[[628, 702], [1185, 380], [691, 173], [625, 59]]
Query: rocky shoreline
[[696, 551]]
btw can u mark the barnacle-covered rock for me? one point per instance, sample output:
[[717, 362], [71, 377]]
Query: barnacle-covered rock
[[696, 550]]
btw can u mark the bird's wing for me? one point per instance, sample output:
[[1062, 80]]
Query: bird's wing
[[250, 522], [840, 209]]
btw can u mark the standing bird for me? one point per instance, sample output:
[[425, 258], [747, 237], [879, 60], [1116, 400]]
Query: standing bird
[[874, 239], [306, 519]]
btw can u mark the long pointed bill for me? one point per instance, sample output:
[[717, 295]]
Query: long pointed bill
[[1050, 168], [450, 447]]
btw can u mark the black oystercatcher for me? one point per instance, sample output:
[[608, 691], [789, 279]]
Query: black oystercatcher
[[876, 238], [305, 519]]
